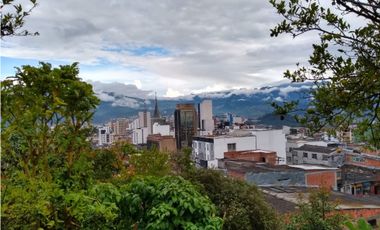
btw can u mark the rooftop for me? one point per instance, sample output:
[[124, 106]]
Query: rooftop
[[285, 199], [316, 149]]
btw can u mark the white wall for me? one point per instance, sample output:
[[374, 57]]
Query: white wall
[[291, 144], [104, 138], [164, 130], [211, 152], [139, 136], [272, 140], [205, 116], [242, 143]]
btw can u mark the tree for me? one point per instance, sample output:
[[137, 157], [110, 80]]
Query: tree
[[317, 213], [46, 114], [150, 163], [241, 205], [344, 65], [166, 203], [13, 20]]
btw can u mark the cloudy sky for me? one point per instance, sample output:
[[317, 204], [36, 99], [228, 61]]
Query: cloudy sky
[[169, 46]]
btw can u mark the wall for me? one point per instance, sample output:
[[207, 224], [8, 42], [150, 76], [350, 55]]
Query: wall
[[325, 179], [365, 213], [212, 148], [242, 143], [273, 140], [139, 136], [255, 155], [206, 123], [287, 178], [164, 130], [363, 160]]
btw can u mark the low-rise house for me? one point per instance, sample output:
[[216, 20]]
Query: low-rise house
[[360, 180], [317, 155]]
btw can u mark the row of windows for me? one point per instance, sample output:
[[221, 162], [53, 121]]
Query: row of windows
[[314, 156]]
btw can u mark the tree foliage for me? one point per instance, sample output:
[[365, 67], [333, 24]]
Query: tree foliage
[[240, 205], [344, 65], [46, 114], [317, 213], [13, 18]]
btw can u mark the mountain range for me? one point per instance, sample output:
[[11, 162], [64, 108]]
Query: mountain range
[[119, 100]]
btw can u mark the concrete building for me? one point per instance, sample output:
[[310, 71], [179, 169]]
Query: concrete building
[[121, 126], [205, 122], [313, 154], [140, 128], [140, 136], [185, 124], [208, 150], [104, 136], [293, 141], [360, 180], [162, 143], [273, 140]]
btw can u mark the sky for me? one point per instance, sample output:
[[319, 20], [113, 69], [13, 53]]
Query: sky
[[166, 46]]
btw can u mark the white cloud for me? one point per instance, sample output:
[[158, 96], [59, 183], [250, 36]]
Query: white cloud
[[173, 93], [208, 44], [126, 102]]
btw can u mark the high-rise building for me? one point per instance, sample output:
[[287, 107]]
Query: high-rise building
[[121, 126], [205, 121], [185, 123], [104, 136]]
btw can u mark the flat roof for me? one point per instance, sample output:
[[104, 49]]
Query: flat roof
[[312, 167], [285, 198], [316, 148]]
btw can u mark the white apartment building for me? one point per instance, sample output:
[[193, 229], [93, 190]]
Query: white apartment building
[[208, 149], [140, 128], [315, 155], [268, 139], [296, 142], [104, 136], [140, 136]]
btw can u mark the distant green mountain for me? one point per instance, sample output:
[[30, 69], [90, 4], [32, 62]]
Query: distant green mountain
[[249, 103]]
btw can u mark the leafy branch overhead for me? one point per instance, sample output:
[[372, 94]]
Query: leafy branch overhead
[[344, 64], [13, 18]]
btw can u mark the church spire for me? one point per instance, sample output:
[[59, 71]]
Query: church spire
[[156, 113]]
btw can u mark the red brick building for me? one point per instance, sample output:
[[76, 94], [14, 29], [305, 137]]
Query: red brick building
[[263, 156]]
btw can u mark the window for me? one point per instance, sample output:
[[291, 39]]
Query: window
[[231, 147], [314, 156], [305, 155], [325, 157]]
